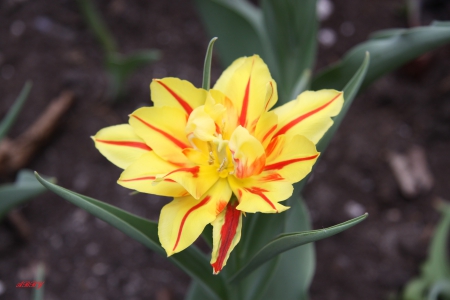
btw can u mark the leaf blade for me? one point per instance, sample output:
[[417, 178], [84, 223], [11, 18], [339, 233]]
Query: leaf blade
[[191, 260], [289, 241], [388, 49], [15, 109], [22, 190]]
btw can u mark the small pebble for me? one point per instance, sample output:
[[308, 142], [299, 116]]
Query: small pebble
[[92, 249], [2, 288], [327, 37], [394, 215], [324, 9], [17, 28], [100, 269], [347, 28], [8, 71], [354, 209]]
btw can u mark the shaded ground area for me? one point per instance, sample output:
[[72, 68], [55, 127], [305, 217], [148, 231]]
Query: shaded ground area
[[87, 259]]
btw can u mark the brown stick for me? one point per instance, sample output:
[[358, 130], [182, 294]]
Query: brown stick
[[15, 154]]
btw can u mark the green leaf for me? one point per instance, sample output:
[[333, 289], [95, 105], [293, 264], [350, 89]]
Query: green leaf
[[38, 293], [350, 91], [97, 25], [289, 241], [191, 260], [14, 111], [440, 288], [388, 50], [295, 269], [207, 66], [121, 67], [25, 188], [239, 26], [291, 26], [437, 265]]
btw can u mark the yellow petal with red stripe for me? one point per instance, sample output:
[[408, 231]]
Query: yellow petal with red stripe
[[195, 179], [249, 85], [226, 235], [176, 93], [162, 128], [248, 153], [229, 120], [265, 128], [261, 193], [310, 114], [200, 125], [141, 175], [183, 220], [120, 145], [292, 158]]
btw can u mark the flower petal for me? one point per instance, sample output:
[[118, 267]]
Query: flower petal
[[183, 220], [162, 128], [226, 234], [249, 85], [292, 158], [176, 93], [261, 193], [248, 153], [195, 179], [141, 175], [309, 115], [120, 145], [265, 128], [230, 118]]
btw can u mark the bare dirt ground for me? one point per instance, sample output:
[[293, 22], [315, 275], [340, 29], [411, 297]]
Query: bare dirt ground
[[47, 42]]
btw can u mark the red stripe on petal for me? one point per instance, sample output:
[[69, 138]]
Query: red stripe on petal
[[227, 234], [282, 164], [260, 192], [271, 94], [145, 178], [140, 145], [297, 120], [243, 116], [168, 136], [177, 97], [194, 171], [269, 132], [203, 202], [272, 177]]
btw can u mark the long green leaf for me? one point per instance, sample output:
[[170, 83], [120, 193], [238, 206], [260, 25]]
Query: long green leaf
[[238, 24], [121, 67], [25, 188], [350, 91], [191, 260], [388, 50], [97, 25], [295, 268], [437, 265], [13, 112], [292, 27], [289, 241], [38, 293], [207, 65]]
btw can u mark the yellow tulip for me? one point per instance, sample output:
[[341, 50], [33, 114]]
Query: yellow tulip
[[220, 153]]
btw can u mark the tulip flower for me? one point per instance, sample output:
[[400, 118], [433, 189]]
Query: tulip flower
[[219, 153]]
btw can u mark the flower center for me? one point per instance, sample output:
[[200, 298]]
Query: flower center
[[220, 156]]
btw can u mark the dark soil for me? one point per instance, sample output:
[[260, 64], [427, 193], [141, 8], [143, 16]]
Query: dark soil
[[47, 42]]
